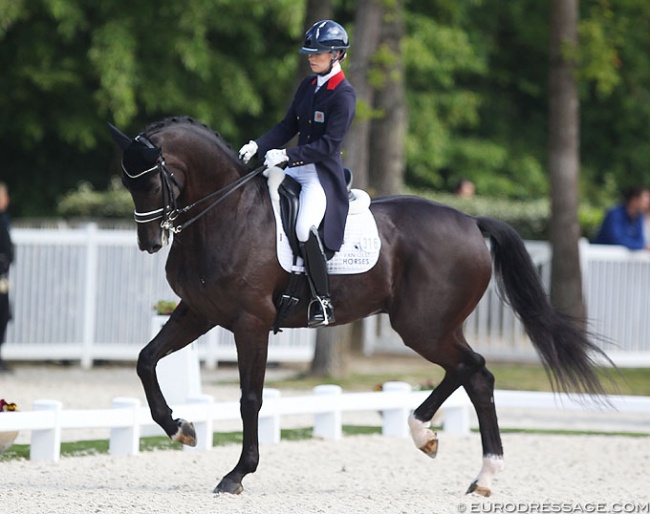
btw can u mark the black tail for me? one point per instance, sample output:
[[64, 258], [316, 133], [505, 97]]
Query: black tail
[[565, 350]]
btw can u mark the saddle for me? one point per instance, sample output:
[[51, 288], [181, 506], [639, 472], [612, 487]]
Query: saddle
[[289, 192]]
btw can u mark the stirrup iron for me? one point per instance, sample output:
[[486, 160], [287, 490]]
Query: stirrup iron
[[320, 312]]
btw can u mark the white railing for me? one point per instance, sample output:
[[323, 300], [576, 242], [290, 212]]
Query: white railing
[[127, 419], [87, 294], [616, 284]]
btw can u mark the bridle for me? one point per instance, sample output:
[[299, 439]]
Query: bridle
[[168, 182], [169, 212]]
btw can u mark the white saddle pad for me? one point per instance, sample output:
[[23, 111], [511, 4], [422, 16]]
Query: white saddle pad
[[361, 241]]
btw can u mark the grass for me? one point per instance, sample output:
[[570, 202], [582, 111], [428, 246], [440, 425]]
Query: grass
[[508, 376], [149, 444]]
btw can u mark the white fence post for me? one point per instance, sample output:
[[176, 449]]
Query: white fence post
[[179, 373], [46, 442], [203, 428], [89, 296], [126, 440], [269, 424], [455, 412], [327, 424], [395, 422]]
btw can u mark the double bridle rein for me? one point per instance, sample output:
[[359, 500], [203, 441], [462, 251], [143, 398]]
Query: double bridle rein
[[169, 212]]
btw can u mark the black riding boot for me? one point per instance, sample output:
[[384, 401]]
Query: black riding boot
[[320, 312]]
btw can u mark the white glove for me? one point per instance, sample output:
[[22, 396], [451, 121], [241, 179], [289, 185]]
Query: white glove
[[275, 157], [247, 151]]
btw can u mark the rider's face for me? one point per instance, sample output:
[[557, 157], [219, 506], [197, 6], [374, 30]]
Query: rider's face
[[320, 63]]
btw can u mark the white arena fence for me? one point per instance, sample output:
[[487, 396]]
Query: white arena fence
[[87, 294], [616, 284], [128, 420]]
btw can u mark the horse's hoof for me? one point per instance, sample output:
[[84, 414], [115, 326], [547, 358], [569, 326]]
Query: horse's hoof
[[430, 448], [185, 433], [423, 437], [228, 487], [480, 490]]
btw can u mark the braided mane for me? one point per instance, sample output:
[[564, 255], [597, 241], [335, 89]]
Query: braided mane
[[172, 121]]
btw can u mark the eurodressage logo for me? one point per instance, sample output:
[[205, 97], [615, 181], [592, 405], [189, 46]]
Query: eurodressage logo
[[556, 507]]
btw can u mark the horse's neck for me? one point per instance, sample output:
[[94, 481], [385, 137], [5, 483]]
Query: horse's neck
[[243, 205]]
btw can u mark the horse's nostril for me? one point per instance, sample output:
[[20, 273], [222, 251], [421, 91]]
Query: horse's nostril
[[154, 248]]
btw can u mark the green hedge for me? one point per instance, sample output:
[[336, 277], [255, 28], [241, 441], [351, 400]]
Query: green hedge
[[86, 202], [530, 218]]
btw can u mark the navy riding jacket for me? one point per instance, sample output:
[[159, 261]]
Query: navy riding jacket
[[322, 119]]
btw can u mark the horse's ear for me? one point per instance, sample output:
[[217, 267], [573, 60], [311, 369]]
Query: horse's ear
[[120, 138]]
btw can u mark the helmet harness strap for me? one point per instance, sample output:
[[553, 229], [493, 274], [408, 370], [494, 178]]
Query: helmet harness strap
[[339, 55]]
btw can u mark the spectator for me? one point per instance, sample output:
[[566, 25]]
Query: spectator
[[465, 188], [6, 258], [624, 224]]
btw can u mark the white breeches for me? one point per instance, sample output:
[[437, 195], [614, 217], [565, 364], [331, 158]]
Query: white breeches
[[312, 199]]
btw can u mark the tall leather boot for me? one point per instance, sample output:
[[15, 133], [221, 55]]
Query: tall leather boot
[[320, 311]]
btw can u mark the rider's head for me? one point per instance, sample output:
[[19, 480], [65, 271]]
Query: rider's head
[[326, 36]]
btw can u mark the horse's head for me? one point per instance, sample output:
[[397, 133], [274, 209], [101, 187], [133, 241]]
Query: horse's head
[[152, 187]]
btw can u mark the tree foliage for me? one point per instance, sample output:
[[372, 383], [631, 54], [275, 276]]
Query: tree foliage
[[72, 65], [476, 85]]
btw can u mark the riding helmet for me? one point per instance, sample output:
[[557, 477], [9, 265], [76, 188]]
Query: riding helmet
[[325, 36]]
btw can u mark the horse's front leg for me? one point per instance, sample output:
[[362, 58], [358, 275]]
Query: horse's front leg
[[182, 328], [252, 349]]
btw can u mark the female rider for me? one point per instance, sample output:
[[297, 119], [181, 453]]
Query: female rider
[[321, 112]]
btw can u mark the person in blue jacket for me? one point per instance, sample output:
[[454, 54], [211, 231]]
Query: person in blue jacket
[[321, 113], [624, 224]]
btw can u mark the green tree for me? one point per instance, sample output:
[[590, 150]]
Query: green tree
[[69, 66], [615, 95], [476, 87]]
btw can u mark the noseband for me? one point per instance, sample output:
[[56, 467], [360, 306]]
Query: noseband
[[169, 212]]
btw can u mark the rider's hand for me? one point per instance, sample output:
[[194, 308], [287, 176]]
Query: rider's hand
[[275, 158], [247, 151]]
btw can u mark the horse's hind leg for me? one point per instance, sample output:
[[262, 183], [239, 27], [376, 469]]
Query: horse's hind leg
[[467, 368], [182, 328], [480, 389], [458, 365]]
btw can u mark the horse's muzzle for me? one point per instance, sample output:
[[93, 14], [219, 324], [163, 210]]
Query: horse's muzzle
[[150, 243]]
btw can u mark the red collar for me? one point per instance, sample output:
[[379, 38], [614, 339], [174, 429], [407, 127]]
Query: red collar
[[334, 81]]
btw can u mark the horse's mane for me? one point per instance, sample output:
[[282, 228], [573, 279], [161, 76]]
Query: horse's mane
[[175, 121]]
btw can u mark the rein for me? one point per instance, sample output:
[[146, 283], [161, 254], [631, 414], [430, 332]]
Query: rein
[[220, 194]]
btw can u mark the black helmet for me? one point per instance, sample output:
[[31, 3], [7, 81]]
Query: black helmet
[[325, 36]]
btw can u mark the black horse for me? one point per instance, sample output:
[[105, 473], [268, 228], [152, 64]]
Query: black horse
[[433, 270]]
